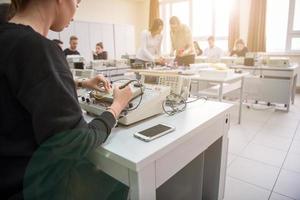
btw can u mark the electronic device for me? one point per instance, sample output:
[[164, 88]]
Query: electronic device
[[140, 108], [179, 84], [82, 73], [230, 60], [75, 61], [278, 61], [249, 62], [216, 73], [100, 64], [205, 59], [154, 132]]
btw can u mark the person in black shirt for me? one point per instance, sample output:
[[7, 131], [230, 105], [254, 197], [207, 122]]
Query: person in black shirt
[[44, 139], [59, 43], [240, 49], [100, 54], [73, 47]]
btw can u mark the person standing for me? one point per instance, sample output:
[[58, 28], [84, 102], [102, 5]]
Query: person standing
[[182, 42], [151, 40]]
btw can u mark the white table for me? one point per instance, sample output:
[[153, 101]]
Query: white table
[[234, 82], [271, 84], [154, 170]]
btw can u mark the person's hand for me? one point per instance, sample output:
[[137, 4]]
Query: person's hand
[[97, 83], [121, 100], [160, 61]]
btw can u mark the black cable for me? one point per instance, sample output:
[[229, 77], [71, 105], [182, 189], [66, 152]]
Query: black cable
[[141, 96], [174, 101]]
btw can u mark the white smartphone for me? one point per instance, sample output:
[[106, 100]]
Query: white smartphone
[[154, 132]]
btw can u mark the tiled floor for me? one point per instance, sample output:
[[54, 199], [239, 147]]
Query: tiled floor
[[264, 155]]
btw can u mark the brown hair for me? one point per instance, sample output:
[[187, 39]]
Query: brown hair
[[239, 41], [18, 5], [175, 20], [155, 25], [211, 38], [100, 44], [73, 37]]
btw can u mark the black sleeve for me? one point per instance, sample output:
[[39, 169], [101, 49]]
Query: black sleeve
[[66, 52], [46, 89]]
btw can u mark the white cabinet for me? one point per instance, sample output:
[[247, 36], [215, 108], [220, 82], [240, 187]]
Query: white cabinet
[[124, 40], [83, 34], [108, 39]]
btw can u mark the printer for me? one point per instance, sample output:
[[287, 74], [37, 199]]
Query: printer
[[278, 61]]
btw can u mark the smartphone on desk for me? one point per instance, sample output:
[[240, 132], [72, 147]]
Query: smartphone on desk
[[154, 132]]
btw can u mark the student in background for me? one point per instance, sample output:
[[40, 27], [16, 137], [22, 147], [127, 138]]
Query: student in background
[[240, 49], [72, 50], [182, 42], [151, 40], [59, 43], [198, 50], [213, 52], [100, 54]]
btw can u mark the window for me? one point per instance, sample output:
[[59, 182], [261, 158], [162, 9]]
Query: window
[[283, 26], [204, 17], [277, 23]]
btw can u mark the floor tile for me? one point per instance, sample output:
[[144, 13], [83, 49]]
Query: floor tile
[[273, 141], [282, 122], [295, 148], [253, 172], [238, 190], [264, 154], [292, 162], [277, 130], [276, 196], [288, 184], [236, 146]]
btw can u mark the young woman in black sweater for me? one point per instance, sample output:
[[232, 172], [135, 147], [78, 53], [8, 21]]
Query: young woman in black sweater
[[44, 139]]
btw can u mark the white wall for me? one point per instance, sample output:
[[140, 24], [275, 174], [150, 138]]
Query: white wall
[[133, 12]]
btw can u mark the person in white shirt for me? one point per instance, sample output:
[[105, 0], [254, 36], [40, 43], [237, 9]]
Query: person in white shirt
[[150, 50], [213, 52]]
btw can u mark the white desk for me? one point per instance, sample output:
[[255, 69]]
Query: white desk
[[234, 82], [271, 84], [156, 169]]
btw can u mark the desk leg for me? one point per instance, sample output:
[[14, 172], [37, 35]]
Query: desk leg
[[221, 92], [294, 88], [241, 100], [142, 184]]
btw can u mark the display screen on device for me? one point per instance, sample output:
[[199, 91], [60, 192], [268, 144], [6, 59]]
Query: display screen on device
[[155, 130]]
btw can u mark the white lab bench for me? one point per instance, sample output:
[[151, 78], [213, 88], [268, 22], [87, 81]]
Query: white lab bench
[[189, 163], [270, 84], [221, 86]]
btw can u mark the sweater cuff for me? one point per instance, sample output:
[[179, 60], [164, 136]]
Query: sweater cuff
[[109, 119]]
